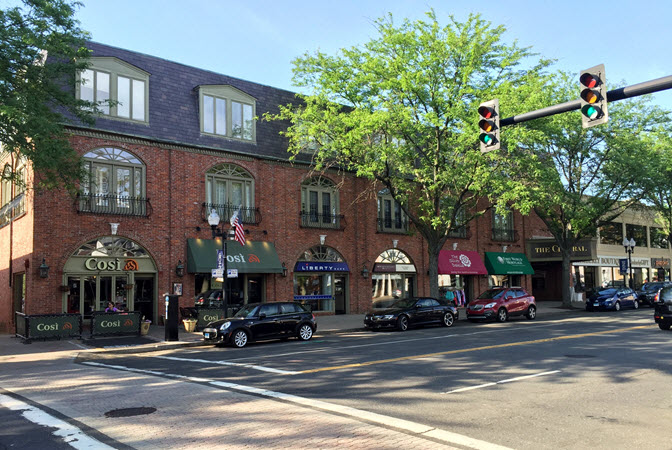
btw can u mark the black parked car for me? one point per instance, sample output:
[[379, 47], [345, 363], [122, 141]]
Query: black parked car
[[663, 311], [405, 313], [259, 321], [647, 293]]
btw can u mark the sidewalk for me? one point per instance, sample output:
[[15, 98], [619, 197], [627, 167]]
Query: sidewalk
[[11, 346]]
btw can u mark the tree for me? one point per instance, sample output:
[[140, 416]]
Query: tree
[[36, 97], [658, 186], [580, 179], [401, 110]]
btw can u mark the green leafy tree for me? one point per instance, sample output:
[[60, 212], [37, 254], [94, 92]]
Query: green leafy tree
[[36, 97], [658, 186], [401, 110], [580, 179]]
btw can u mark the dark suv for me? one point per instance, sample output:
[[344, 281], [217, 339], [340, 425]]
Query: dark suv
[[501, 303], [258, 321], [647, 293], [663, 311]]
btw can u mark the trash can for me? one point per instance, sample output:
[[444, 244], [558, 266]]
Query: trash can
[[189, 325], [144, 327]]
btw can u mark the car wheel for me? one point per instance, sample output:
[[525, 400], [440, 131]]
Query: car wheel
[[531, 312], [448, 319], [402, 323], [305, 332], [664, 326], [240, 338], [635, 304], [502, 315], [617, 306]]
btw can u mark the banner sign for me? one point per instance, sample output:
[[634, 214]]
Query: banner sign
[[321, 266], [205, 316], [623, 266], [52, 326], [115, 323]]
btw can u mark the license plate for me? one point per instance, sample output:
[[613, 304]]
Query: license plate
[[596, 304], [207, 335]]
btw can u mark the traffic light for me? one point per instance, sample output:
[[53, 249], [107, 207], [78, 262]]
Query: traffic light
[[593, 97], [488, 124]]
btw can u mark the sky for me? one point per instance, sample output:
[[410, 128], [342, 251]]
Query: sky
[[257, 39]]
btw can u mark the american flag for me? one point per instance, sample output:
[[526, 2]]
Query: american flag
[[240, 232]]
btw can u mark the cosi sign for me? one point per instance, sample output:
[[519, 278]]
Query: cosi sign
[[110, 264]]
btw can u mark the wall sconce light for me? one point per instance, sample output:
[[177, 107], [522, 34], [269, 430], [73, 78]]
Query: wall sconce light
[[454, 245], [395, 242], [323, 237], [179, 269], [284, 270], [365, 272], [504, 247], [113, 228], [44, 269]]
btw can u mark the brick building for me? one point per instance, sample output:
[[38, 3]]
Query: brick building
[[182, 141]]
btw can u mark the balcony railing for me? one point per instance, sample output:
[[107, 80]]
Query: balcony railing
[[12, 209], [120, 205], [248, 215], [315, 220], [504, 235], [387, 225]]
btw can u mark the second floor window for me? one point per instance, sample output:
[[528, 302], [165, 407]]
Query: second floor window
[[230, 188], [113, 79], [319, 203], [611, 233], [658, 238], [115, 183], [636, 232], [12, 188], [502, 225], [391, 217], [460, 229], [227, 111]]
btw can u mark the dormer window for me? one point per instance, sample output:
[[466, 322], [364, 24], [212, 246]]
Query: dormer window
[[115, 80], [228, 112]]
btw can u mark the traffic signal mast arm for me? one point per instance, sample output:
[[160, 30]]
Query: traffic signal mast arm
[[647, 87]]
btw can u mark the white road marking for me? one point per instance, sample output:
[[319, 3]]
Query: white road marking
[[227, 363], [70, 433], [480, 386], [415, 428]]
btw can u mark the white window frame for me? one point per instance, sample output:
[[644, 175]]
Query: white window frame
[[226, 96]]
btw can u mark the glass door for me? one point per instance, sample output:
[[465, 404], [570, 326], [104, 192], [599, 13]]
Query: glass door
[[144, 297], [89, 299]]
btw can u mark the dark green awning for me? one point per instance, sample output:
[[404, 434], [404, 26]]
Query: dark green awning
[[253, 257], [507, 264]]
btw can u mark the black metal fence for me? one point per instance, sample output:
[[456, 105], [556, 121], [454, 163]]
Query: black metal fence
[[121, 205], [115, 323], [48, 326], [315, 220], [248, 215]]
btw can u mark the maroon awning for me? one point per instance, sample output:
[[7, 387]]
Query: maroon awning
[[456, 262]]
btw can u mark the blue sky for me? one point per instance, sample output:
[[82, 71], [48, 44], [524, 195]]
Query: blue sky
[[257, 40]]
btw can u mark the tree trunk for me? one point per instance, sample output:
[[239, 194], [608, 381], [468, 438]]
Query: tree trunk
[[433, 251], [566, 271]]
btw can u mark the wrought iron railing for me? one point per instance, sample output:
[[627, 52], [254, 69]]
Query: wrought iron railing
[[315, 220], [504, 235], [248, 215], [12, 209], [121, 205], [389, 225]]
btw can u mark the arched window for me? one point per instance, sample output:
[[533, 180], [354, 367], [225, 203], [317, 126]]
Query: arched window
[[319, 204], [112, 246], [230, 188], [114, 183]]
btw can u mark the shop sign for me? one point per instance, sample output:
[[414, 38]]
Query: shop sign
[[321, 267], [548, 250], [48, 326], [613, 261], [115, 323], [205, 316], [393, 268], [660, 263], [98, 264]]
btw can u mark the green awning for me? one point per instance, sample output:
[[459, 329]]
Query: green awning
[[253, 257], [507, 264]]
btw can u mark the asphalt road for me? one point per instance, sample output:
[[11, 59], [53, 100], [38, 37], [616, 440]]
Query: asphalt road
[[599, 380]]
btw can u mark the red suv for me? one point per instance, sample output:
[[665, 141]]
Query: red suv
[[502, 303]]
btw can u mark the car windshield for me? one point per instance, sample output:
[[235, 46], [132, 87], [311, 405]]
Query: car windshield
[[492, 294], [606, 292], [404, 303], [246, 311], [651, 286]]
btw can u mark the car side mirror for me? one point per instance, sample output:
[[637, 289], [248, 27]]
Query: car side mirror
[[262, 315]]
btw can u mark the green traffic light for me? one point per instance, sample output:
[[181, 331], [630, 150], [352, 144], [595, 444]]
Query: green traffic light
[[590, 111], [486, 138]]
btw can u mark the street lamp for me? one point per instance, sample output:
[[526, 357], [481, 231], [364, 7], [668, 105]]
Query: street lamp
[[213, 220], [629, 246]]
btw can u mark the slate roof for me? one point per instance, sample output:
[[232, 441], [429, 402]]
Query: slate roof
[[173, 106]]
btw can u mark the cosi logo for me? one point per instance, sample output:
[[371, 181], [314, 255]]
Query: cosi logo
[[110, 323], [128, 323], [67, 326], [241, 258], [211, 318], [110, 264], [47, 327]]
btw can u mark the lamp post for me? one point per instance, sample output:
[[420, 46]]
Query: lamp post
[[213, 220], [629, 246]]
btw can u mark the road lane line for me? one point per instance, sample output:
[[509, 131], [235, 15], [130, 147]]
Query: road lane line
[[480, 386], [466, 350], [227, 363], [72, 435], [412, 428]]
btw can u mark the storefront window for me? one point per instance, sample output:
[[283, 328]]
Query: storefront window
[[393, 278], [314, 277]]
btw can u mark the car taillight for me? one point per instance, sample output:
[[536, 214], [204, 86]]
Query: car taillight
[[655, 297], [313, 317]]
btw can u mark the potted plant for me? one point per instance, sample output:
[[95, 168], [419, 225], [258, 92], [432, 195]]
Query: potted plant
[[189, 324], [144, 326]]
